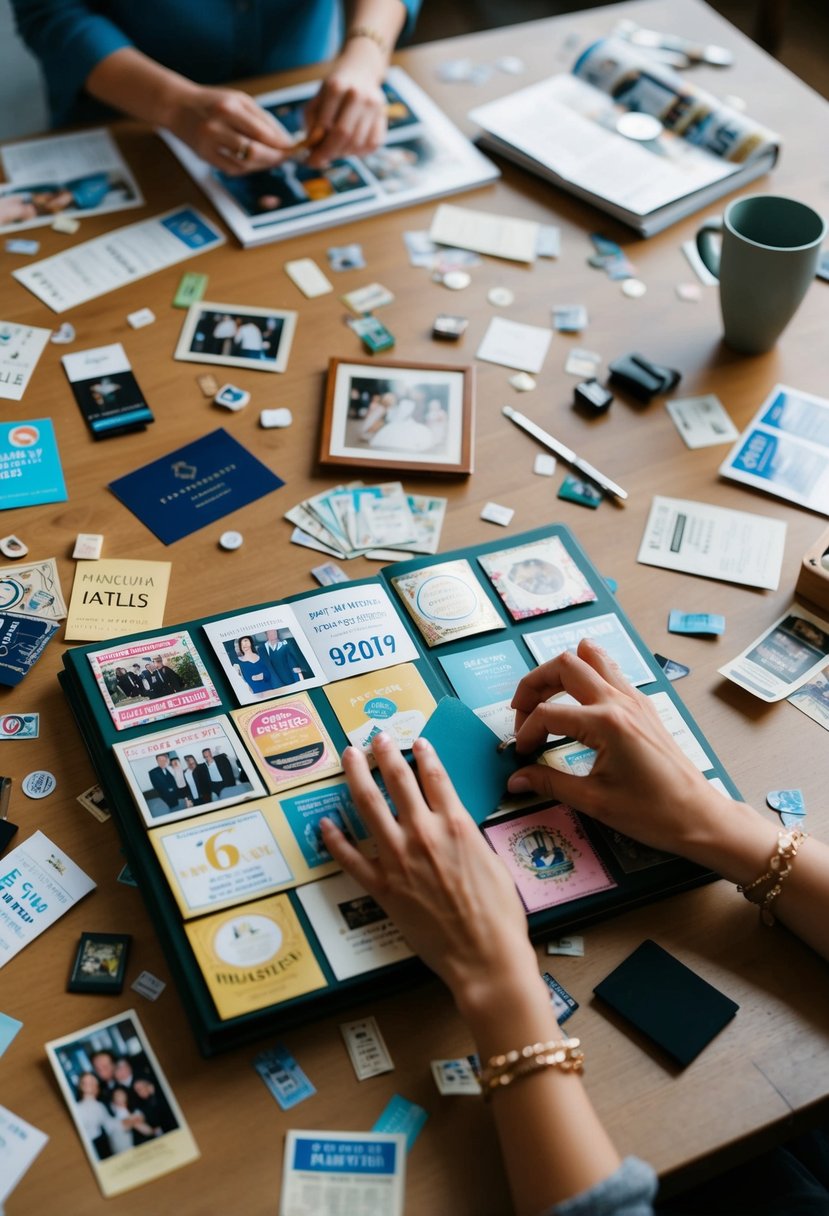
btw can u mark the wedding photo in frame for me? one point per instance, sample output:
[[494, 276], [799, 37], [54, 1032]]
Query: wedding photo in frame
[[410, 417]]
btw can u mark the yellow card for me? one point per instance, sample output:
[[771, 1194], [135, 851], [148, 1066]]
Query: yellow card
[[112, 597], [395, 700], [288, 741], [446, 601], [229, 857], [254, 956]]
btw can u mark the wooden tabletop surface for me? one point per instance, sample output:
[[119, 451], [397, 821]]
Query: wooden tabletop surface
[[770, 1066]]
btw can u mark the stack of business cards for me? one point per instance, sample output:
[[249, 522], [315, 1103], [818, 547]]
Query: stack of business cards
[[380, 521]]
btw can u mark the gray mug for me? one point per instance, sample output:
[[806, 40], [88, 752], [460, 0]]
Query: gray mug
[[770, 252]]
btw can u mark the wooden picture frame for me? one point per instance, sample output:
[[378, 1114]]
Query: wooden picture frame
[[426, 427]]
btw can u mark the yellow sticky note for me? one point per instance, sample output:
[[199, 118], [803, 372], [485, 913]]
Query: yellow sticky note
[[112, 597]]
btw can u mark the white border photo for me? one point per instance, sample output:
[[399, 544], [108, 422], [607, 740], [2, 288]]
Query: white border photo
[[236, 335], [166, 786]]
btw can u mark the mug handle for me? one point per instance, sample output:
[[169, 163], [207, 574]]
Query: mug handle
[[706, 247]]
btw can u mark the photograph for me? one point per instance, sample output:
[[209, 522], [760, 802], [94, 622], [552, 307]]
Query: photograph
[[537, 578], [119, 1101], [408, 165], [154, 678], [100, 963], [361, 911], [277, 195], [235, 335], [411, 417], [791, 649], [175, 774], [264, 653]]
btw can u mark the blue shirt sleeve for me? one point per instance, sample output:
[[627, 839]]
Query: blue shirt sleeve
[[209, 41], [69, 39], [412, 8], [630, 1191]]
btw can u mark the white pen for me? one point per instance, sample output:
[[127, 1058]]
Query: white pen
[[565, 453]]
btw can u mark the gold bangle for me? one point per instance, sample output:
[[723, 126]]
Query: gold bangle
[[366, 31], [780, 867], [502, 1070]]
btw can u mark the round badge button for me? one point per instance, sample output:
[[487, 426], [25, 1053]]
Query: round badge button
[[13, 546], [641, 127], [38, 784], [456, 280], [501, 297], [231, 540]]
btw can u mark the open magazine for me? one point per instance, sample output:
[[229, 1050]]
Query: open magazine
[[424, 157], [73, 175], [565, 129]]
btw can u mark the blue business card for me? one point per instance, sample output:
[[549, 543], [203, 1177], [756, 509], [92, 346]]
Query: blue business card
[[30, 469], [194, 486], [22, 642]]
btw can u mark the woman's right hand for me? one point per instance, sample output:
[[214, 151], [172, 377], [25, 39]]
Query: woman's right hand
[[641, 783], [228, 129]]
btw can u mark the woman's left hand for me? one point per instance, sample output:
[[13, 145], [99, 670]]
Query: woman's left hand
[[434, 874], [347, 117]]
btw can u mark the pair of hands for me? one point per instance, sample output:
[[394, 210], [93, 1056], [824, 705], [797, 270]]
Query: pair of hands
[[347, 116], [435, 875]]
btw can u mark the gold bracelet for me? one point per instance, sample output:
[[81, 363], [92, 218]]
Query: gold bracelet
[[366, 31], [780, 867], [502, 1070]]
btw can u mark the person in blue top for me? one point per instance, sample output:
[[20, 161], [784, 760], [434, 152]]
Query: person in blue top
[[166, 62]]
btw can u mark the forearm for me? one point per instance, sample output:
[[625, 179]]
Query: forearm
[[130, 81], [553, 1144], [384, 18], [738, 842]]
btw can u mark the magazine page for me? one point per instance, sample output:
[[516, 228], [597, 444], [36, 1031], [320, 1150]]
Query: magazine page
[[424, 156], [638, 84], [568, 125], [76, 175]]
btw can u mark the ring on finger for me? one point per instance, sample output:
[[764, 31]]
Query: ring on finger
[[243, 151]]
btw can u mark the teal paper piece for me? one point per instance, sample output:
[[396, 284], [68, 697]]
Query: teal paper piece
[[469, 752], [9, 1027], [402, 1116]]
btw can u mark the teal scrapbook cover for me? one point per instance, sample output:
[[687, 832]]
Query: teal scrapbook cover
[[456, 631]]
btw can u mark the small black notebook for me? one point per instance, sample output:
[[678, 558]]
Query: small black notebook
[[667, 1001]]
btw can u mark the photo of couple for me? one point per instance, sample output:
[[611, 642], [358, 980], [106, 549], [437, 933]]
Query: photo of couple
[[395, 416], [240, 336], [269, 661], [237, 336], [119, 1099]]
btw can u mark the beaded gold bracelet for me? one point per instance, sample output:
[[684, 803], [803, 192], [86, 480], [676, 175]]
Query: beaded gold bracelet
[[780, 867], [503, 1070], [366, 31]]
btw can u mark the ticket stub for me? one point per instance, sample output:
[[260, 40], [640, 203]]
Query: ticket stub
[[366, 1049], [283, 1076]]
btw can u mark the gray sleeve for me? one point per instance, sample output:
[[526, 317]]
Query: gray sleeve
[[630, 1191]]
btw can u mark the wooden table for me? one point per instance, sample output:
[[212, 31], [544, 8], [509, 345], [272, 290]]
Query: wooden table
[[769, 1070]]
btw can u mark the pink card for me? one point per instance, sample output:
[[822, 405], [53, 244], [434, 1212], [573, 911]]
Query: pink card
[[549, 857]]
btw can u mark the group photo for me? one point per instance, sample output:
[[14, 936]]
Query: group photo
[[117, 1099]]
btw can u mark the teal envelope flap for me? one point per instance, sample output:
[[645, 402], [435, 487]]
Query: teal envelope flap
[[469, 752]]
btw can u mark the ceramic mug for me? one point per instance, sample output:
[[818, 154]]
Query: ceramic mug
[[770, 251]]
